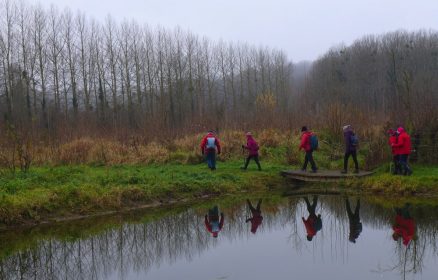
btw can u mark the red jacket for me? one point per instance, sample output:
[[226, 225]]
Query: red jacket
[[393, 139], [252, 146], [256, 221], [204, 144], [208, 224], [310, 225], [403, 144], [405, 228], [305, 141]]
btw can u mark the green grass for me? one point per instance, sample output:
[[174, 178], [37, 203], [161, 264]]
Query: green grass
[[65, 190], [424, 180], [44, 193]]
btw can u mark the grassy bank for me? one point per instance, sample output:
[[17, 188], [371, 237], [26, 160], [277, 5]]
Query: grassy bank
[[87, 176], [46, 192]]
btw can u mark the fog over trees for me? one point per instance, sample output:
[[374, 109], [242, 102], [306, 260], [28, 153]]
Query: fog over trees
[[65, 75]]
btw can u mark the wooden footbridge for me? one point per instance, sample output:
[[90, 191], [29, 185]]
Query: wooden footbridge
[[322, 176]]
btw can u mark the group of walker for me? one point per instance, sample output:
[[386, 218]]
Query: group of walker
[[399, 140]]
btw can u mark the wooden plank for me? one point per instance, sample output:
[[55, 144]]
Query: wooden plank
[[322, 176]]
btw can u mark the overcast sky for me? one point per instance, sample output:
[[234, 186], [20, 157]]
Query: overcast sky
[[305, 29]]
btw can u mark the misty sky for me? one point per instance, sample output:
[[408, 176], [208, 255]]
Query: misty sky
[[305, 29]]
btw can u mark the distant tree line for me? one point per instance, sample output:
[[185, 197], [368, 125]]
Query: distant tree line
[[378, 82], [386, 79], [61, 69], [64, 75]]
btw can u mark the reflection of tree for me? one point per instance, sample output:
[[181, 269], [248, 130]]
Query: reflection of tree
[[139, 247]]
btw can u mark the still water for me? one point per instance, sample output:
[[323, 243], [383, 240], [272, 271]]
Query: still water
[[270, 237]]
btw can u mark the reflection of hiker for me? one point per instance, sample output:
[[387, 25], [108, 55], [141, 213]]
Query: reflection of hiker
[[212, 222], [256, 219], [209, 145], [404, 225], [354, 221], [313, 223], [351, 143], [393, 139], [404, 148], [306, 145], [253, 151]]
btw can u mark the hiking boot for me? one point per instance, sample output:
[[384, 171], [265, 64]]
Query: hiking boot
[[344, 171], [409, 173], [243, 168], [303, 170], [356, 171], [314, 171]]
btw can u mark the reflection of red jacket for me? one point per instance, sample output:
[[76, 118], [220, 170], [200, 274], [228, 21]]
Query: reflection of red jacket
[[208, 225], [310, 225], [305, 141], [256, 221], [404, 228], [204, 143], [393, 140], [404, 142]]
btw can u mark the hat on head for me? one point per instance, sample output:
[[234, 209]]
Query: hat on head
[[304, 128], [346, 127], [248, 134]]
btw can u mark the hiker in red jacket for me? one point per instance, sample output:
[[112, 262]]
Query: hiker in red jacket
[[307, 147], [404, 225], [212, 222], [393, 139], [253, 151], [209, 145], [313, 223], [256, 219], [404, 149]]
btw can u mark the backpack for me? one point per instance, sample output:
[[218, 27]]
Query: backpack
[[313, 142], [211, 143], [354, 140]]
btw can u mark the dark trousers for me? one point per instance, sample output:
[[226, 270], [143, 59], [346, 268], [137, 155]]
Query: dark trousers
[[404, 166], [347, 155], [311, 208], [256, 159], [396, 161], [309, 158], [211, 160]]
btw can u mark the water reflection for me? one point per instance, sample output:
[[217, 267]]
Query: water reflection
[[212, 222], [256, 215], [353, 220], [404, 226], [176, 243], [313, 223]]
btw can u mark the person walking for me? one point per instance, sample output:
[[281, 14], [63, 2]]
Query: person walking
[[253, 151], [404, 149], [209, 144], [306, 145], [393, 139], [351, 143]]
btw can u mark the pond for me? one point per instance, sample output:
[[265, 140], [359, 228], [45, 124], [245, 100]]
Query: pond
[[264, 237]]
